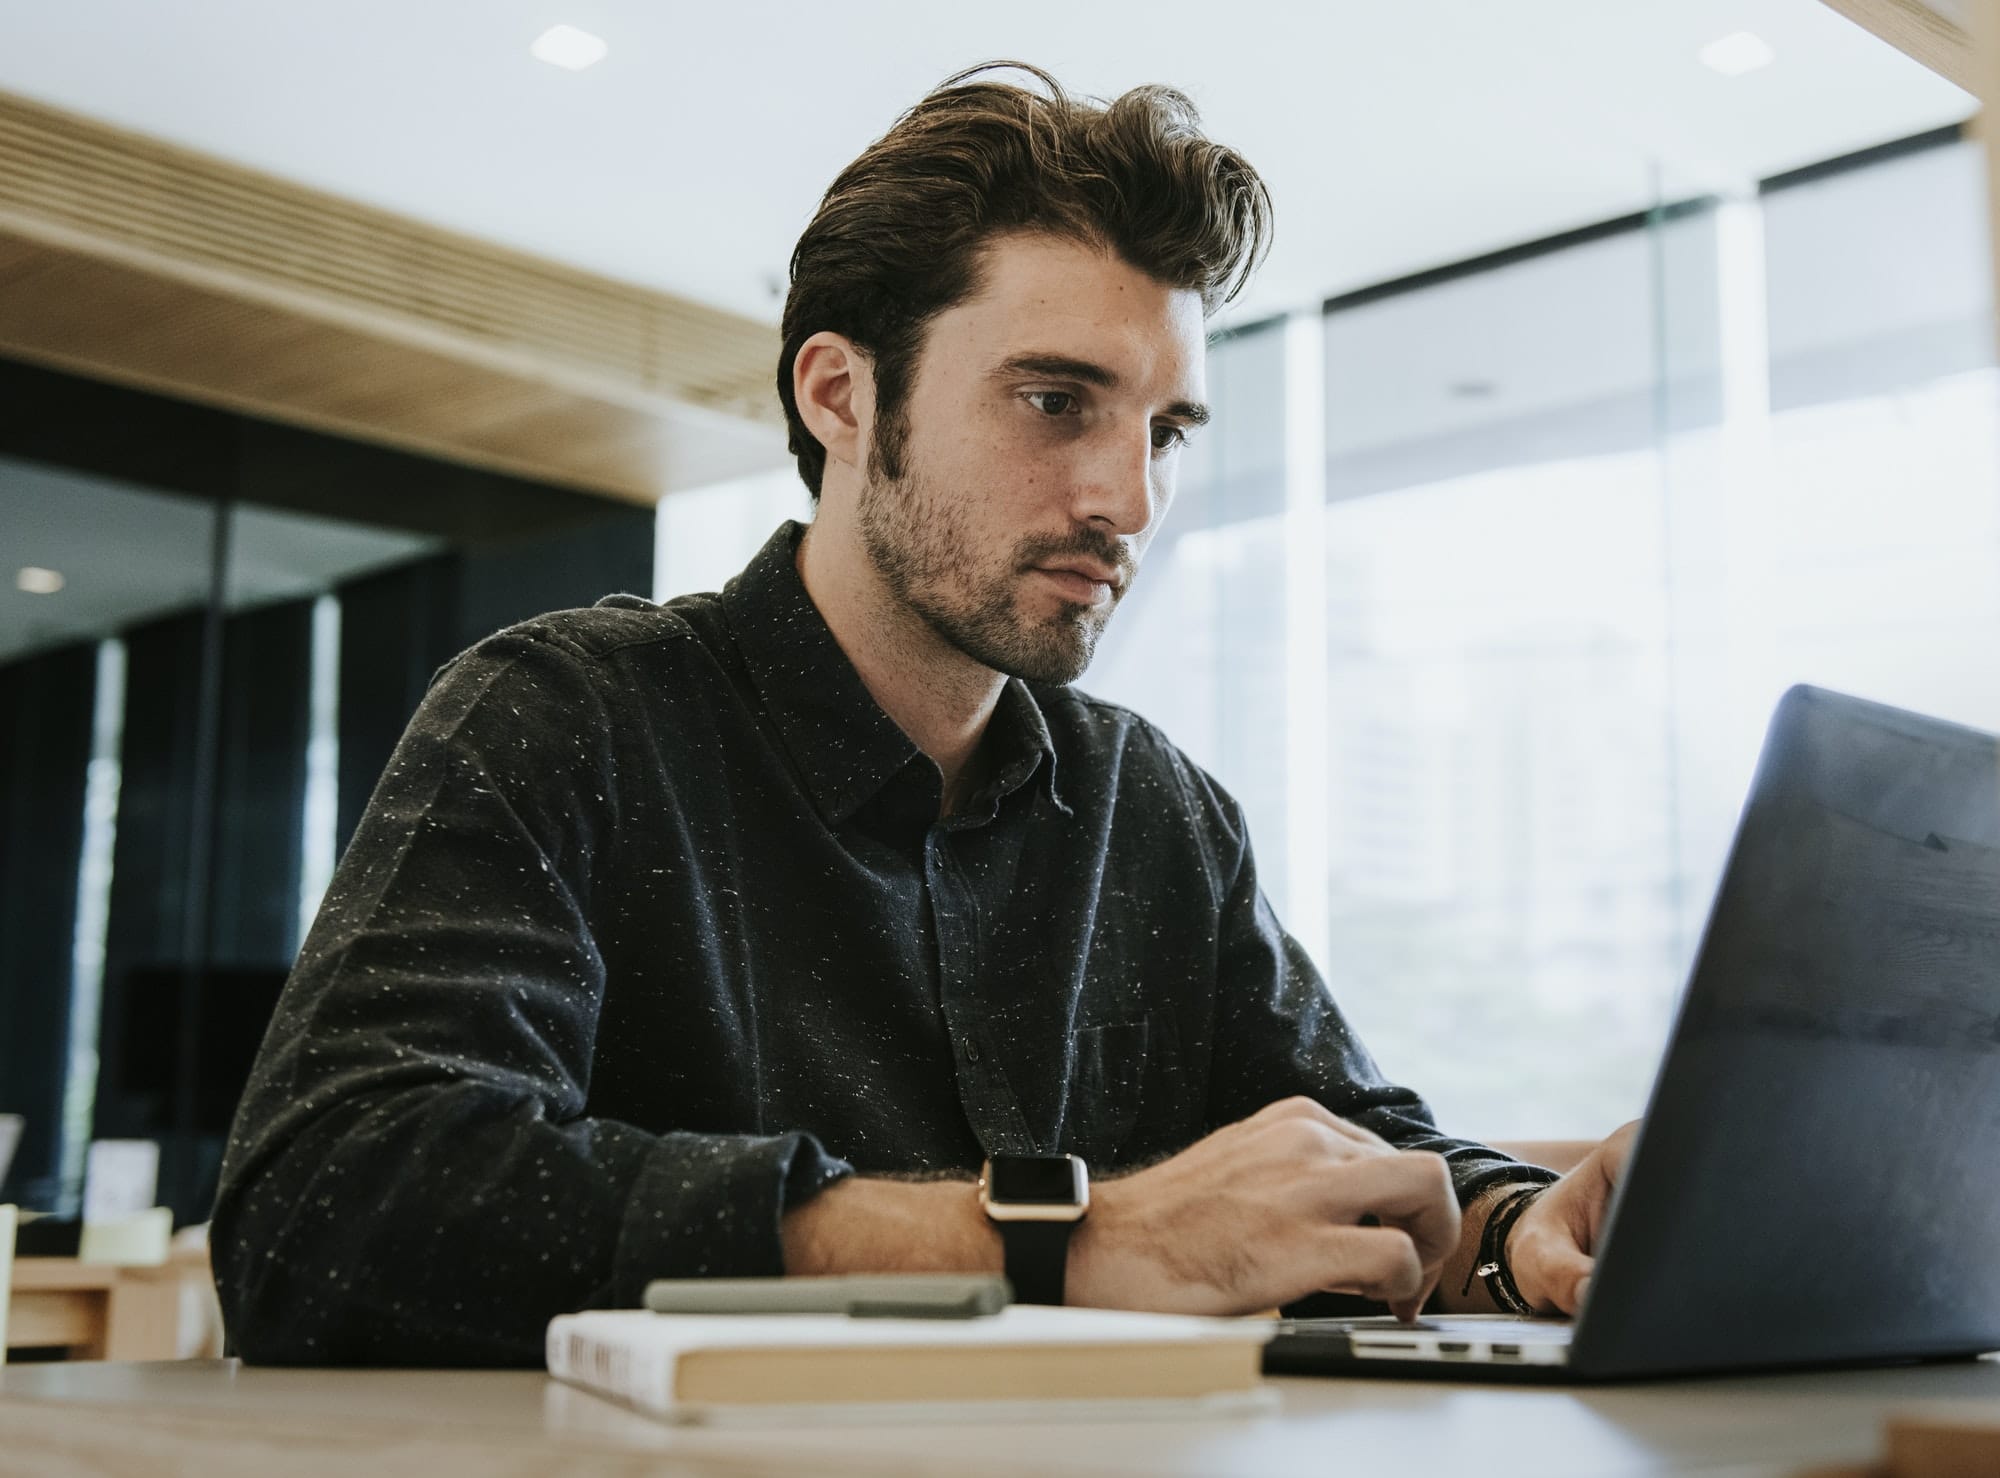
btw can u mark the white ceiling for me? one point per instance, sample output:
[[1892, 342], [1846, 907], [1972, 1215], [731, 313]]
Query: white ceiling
[[1394, 136]]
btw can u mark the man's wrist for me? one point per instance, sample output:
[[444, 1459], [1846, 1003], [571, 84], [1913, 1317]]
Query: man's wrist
[[1490, 1262], [1104, 1269], [868, 1225], [1036, 1203], [1460, 1288]]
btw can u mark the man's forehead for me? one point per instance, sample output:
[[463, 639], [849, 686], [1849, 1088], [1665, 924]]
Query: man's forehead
[[1038, 297]]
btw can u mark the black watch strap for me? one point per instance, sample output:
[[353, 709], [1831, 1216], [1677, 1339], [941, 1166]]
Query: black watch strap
[[1037, 1254]]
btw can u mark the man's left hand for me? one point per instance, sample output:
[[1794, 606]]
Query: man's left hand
[[1552, 1249]]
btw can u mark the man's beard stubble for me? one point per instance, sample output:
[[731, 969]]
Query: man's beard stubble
[[911, 535]]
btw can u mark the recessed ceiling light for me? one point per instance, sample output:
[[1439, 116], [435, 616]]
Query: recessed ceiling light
[[1737, 53], [566, 46], [38, 581]]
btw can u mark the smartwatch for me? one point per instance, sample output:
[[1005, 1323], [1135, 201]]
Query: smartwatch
[[1036, 1202]]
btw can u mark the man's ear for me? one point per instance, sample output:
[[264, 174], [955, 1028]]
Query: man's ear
[[834, 385]]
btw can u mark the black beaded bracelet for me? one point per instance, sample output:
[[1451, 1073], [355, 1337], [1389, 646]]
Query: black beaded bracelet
[[1490, 1263]]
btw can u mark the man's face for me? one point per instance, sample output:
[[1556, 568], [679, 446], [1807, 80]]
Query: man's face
[[1042, 429]]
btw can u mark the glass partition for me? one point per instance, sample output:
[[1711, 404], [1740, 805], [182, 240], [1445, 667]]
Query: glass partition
[[212, 632], [100, 575]]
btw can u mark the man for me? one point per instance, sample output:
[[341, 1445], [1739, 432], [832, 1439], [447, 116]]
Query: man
[[730, 936]]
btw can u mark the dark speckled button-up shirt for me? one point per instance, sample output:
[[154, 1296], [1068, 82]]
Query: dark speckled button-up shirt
[[652, 930]]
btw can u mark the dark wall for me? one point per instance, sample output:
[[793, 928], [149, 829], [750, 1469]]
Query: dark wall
[[555, 570], [154, 913], [396, 629], [154, 931], [266, 721], [172, 446], [206, 868], [45, 722]]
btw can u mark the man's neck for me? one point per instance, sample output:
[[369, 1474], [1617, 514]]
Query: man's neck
[[940, 697]]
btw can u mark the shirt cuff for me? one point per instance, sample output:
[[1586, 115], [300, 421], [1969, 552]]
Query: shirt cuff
[[710, 1206], [1479, 1177]]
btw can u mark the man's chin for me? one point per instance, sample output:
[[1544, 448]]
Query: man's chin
[[1055, 660], [1053, 676], [1043, 657], [1044, 648]]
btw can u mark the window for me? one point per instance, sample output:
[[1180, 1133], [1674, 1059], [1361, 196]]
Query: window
[[1555, 530]]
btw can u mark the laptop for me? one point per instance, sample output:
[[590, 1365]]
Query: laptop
[[1815, 1182]]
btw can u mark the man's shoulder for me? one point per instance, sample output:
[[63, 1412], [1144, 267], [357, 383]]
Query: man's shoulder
[[624, 650], [620, 623]]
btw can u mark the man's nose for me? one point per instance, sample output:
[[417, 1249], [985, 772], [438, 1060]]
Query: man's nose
[[1116, 491]]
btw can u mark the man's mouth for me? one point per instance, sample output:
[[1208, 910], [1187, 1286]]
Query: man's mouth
[[1086, 584]]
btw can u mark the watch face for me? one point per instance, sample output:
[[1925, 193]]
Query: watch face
[[1035, 1180]]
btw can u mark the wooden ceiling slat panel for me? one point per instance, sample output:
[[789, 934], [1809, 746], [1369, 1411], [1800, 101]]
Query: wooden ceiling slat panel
[[1923, 32], [154, 266], [664, 349], [135, 329], [263, 211]]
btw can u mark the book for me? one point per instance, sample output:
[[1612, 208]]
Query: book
[[704, 1368]]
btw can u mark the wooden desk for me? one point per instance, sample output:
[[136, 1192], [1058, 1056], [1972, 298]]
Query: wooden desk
[[220, 1419], [94, 1311]]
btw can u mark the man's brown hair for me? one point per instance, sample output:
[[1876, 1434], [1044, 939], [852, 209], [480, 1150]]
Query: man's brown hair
[[898, 236]]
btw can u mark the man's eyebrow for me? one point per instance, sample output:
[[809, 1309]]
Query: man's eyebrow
[[1064, 367]]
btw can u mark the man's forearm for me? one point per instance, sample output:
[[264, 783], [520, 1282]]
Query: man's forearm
[[863, 1225]]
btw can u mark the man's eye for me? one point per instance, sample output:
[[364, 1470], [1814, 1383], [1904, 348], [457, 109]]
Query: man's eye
[[1052, 403], [1167, 436]]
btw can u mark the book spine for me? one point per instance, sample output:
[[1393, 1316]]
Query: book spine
[[556, 1349], [628, 1371]]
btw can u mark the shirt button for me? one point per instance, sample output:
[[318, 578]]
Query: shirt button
[[971, 1050]]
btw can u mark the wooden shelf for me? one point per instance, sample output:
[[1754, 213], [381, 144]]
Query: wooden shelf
[[97, 1312]]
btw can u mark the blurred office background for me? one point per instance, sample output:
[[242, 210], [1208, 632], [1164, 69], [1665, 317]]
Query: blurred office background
[[1604, 383]]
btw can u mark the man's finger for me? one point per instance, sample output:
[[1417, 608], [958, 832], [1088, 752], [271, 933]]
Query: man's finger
[[1411, 1192], [1616, 1150], [1409, 1309], [1376, 1262], [1549, 1269]]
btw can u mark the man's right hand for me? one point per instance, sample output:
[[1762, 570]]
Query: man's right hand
[[1266, 1211]]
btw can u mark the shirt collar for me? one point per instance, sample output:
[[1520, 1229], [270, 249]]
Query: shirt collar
[[1020, 735], [842, 742]]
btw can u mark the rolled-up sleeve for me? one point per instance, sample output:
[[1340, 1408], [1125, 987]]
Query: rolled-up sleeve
[[412, 1177]]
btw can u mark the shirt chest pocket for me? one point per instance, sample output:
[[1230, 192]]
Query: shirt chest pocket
[[1126, 1098]]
